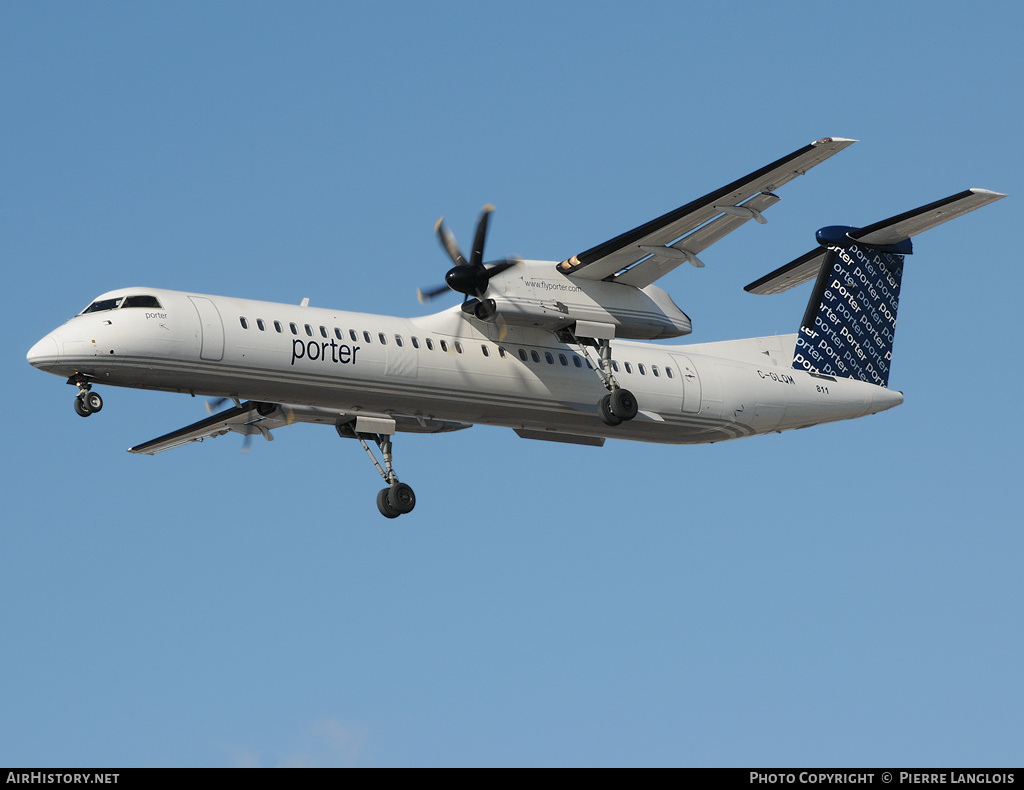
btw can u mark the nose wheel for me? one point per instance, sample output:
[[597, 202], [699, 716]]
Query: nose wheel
[[86, 402]]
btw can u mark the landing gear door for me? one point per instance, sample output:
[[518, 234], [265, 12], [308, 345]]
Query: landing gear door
[[691, 383]]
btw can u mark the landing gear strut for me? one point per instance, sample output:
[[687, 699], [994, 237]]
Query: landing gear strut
[[619, 405], [86, 402], [398, 498]]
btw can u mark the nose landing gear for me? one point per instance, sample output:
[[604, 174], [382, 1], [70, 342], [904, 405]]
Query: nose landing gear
[[86, 402]]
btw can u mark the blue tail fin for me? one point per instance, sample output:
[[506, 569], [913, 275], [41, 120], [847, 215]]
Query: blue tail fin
[[850, 321]]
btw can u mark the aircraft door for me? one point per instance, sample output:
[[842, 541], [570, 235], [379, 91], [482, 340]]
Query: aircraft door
[[211, 328], [691, 383]]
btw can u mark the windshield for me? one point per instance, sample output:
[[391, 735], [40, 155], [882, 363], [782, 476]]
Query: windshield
[[121, 301], [104, 304], [141, 301]]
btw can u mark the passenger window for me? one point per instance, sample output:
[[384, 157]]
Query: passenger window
[[444, 345], [576, 361], [486, 352], [458, 346], [383, 339], [323, 331], [354, 337], [501, 352], [629, 368], [668, 372], [549, 358], [430, 344], [366, 336], [522, 354], [642, 369], [245, 324], [339, 334], [415, 342], [398, 340], [615, 366], [654, 370], [295, 329], [535, 356], [260, 324], [309, 330], [277, 326]]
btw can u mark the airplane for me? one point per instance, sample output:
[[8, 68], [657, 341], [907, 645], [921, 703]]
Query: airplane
[[551, 349]]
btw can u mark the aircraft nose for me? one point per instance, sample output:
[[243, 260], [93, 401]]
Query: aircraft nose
[[44, 354]]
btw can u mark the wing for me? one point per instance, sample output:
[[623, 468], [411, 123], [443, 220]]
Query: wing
[[642, 255], [252, 418]]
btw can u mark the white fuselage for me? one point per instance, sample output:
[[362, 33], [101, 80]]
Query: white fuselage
[[447, 367]]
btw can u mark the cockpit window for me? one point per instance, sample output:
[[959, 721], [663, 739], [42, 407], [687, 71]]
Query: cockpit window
[[122, 301], [141, 301], [104, 304]]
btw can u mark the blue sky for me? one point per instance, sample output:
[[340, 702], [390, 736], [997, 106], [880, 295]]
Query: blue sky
[[844, 595]]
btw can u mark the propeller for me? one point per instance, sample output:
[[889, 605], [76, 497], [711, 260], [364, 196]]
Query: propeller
[[471, 277], [215, 403], [262, 409]]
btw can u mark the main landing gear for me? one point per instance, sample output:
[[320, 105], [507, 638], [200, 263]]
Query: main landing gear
[[86, 402], [398, 498], [619, 405]]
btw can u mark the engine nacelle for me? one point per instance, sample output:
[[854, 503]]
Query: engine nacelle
[[535, 294]]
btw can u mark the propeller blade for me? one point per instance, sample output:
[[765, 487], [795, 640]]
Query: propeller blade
[[476, 256], [447, 239], [470, 278], [426, 296], [497, 267], [215, 403]]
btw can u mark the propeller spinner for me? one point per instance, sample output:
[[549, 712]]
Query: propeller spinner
[[471, 277]]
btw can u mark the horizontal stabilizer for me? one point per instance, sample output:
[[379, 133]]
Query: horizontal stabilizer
[[901, 227], [794, 273], [885, 234]]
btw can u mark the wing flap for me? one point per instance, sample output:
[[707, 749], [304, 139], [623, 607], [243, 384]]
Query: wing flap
[[660, 263], [623, 251]]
